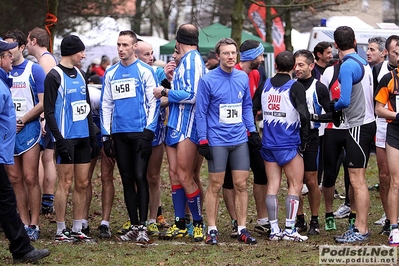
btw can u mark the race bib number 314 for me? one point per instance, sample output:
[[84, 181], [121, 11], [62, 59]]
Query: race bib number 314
[[230, 113], [123, 88]]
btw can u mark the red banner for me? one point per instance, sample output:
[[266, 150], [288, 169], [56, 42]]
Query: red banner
[[257, 15]]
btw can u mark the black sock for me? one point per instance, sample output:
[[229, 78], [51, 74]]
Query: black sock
[[180, 223], [329, 214], [314, 218], [300, 217], [159, 212]]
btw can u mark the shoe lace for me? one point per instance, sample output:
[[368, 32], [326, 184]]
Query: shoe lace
[[245, 235]]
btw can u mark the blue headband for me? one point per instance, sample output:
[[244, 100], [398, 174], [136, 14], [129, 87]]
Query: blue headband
[[252, 54]]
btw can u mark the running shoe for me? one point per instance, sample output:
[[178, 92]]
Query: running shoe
[[337, 195], [342, 212], [245, 236], [394, 238], [161, 222], [234, 229], [314, 227], [301, 225], [173, 232], [47, 210], [86, 230], [142, 236], [346, 233], [64, 236], [386, 229], [33, 232], [353, 236], [105, 232], [276, 236], [124, 229], [263, 229], [381, 221], [80, 236], [153, 229], [130, 235], [212, 237], [199, 232], [293, 235], [190, 229], [330, 224]]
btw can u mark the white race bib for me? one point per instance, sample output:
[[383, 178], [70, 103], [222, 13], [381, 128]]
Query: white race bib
[[80, 110], [123, 88], [20, 106], [230, 113]]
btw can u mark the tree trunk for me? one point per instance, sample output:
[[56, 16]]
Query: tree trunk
[[237, 19], [288, 27]]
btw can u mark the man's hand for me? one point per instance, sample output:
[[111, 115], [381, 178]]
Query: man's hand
[[254, 142], [62, 149], [145, 144], [109, 149], [205, 150]]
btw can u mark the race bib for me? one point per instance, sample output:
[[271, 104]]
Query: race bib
[[230, 113], [123, 88], [20, 106], [80, 110]]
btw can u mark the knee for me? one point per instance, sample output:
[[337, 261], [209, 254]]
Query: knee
[[153, 180], [81, 185]]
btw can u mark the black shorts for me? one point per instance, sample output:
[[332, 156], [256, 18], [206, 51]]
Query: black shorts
[[311, 155], [393, 135], [80, 152], [358, 144]]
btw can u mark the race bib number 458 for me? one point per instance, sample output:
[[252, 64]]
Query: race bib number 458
[[230, 113], [123, 88]]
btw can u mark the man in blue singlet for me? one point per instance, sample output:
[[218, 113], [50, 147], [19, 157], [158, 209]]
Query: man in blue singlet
[[67, 113], [27, 93]]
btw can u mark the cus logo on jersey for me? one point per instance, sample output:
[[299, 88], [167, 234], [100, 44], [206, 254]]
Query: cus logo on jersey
[[274, 102], [240, 95], [82, 89]]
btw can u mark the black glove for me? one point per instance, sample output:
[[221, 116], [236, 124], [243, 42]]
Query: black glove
[[145, 144], [95, 149], [62, 149], [205, 150], [165, 83], [336, 115], [254, 142], [109, 147]]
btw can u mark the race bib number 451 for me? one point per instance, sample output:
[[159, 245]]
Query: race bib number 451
[[123, 88], [230, 113], [80, 110]]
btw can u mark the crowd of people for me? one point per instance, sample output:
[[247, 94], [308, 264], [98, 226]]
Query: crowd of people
[[316, 114]]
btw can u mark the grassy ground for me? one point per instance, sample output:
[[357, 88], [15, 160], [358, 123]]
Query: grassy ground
[[185, 252]]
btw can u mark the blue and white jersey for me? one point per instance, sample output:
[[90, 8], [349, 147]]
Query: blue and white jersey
[[356, 99], [71, 106], [7, 120], [128, 103], [28, 82], [312, 101], [160, 131], [281, 121], [224, 108], [183, 94]]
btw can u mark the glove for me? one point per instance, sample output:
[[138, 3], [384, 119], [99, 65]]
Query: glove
[[165, 83], [62, 149], [95, 149], [336, 115], [254, 142], [205, 150], [145, 144], [109, 147]]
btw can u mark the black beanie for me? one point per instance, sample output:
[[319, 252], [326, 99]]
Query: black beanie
[[185, 37], [70, 45]]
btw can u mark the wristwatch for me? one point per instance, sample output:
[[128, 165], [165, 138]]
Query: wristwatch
[[163, 92]]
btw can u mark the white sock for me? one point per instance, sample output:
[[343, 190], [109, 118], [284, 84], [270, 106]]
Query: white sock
[[274, 226], [263, 221], [213, 227], [103, 222], [152, 221], [85, 223], [77, 226], [239, 228], [60, 227]]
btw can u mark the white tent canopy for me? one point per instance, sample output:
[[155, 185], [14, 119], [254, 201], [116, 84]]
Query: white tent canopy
[[101, 40]]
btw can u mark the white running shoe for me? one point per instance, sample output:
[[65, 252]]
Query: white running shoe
[[394, 237], [381, 221], [131, 235], [293, 235], [305, 190], [342, 212], [276, 236]]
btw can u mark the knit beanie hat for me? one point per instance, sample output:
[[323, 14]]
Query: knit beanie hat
[[70, 45]]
